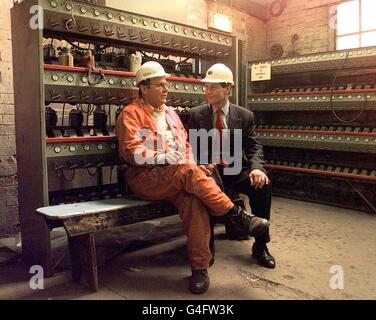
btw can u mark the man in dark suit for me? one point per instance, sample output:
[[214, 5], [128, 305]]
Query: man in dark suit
[[250, 178]]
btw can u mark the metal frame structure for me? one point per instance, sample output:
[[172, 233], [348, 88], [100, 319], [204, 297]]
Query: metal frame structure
[[37, 84], [316, 120]]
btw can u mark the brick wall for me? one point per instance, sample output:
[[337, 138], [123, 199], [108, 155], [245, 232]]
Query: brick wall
[[8, 168], [309, 19], [246, 28], [309, 22]]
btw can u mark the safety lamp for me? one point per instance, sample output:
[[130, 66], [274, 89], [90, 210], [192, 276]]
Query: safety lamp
[[220, 22]]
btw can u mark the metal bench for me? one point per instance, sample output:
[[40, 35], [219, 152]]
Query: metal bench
[[82, 220]]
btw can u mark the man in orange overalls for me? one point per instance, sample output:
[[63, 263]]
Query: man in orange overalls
[[153, 141]]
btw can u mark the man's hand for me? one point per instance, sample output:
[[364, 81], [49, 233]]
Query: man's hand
[[171, 157], [258, 179], [207, 169]]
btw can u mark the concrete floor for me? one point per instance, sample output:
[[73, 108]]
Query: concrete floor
[[148, 261]]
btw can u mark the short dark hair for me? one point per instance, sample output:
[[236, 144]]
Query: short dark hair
[[228, 86]]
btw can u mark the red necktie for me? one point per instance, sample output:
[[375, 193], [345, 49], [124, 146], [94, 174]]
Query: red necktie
[[220, 127]]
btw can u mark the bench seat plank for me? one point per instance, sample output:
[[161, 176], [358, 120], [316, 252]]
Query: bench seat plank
[[66, 211], [88, 223], [92, 216]]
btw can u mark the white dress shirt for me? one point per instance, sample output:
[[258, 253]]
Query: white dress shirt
[[163, 129]]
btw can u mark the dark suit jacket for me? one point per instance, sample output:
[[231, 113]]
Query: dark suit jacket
[[201, 117]]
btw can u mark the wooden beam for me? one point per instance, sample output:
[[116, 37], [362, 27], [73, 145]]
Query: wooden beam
[[313, 4], [252, 8]]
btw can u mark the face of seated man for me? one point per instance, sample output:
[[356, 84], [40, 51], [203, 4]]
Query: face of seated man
[[155, 93], [216, 94]]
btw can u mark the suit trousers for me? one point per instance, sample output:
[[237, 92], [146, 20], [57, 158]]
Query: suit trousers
[[259, 199]]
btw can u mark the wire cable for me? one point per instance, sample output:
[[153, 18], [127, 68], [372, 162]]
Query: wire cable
[[362, 196], [87, 117], [109, 115], [92, 174], [112, 168], [332, 91], [73, 18], [66, 179], [86, 49], [62, 117], [76, 46], [88, 112], [182, 61]]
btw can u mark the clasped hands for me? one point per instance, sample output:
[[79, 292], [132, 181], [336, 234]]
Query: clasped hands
[[171, 157]]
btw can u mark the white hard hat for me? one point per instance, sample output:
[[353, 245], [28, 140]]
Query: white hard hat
[[150, 69], [219, 73]]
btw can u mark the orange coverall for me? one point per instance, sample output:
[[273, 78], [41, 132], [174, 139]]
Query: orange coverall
[[184, 184]]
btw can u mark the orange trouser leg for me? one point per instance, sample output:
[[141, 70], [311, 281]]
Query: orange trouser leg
[[195, 218], [163, 182], [193, 193]]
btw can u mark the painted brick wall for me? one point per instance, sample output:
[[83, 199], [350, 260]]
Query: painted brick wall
[[246, 28], [309, 22], [8, 167]]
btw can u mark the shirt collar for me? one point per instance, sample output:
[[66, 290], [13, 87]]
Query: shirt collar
[[225, 108], [149, 108]]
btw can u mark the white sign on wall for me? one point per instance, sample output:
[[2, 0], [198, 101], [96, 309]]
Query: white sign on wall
[[261, 71]]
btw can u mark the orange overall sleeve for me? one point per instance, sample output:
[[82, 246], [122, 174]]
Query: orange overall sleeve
[[132, 144]]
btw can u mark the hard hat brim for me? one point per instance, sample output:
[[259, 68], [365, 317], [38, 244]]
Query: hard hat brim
[[158, 75], [216, 81]]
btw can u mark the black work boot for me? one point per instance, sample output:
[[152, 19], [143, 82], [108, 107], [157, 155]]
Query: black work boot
[[244, 221], [199, 281], [261, 253], [233, 233]]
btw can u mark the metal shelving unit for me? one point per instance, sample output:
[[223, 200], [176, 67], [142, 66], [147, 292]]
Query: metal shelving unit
[[316, 120], [45, 152]]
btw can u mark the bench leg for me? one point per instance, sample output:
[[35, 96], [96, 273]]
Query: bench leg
[[84, 260]]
